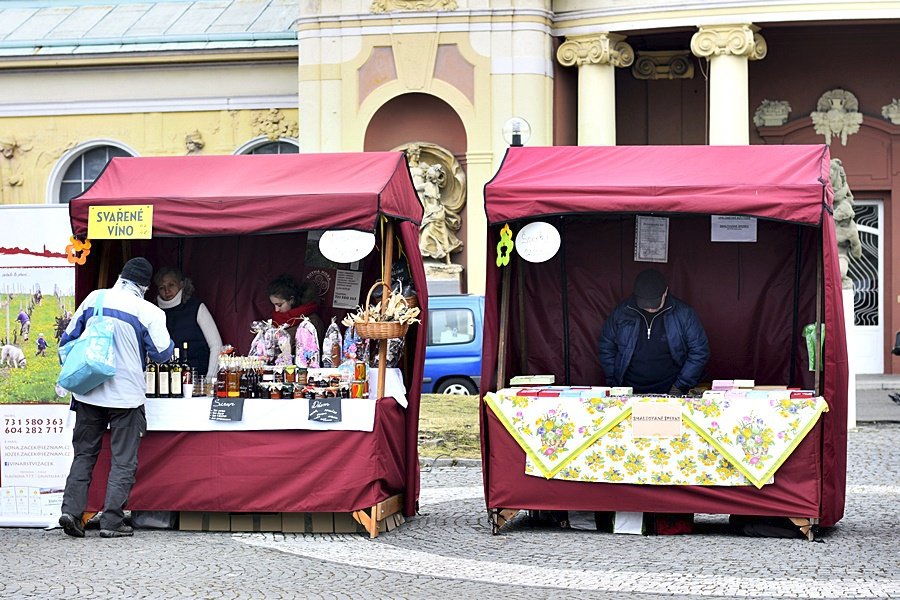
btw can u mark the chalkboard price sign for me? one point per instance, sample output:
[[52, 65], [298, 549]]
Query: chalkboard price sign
[[226, 409], [325, 410]]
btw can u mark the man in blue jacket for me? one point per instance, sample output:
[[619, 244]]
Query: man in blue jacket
[[118, 403], [653, 342]]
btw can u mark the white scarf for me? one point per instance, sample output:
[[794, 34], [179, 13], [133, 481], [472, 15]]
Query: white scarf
[[164, 304], [127, 284]]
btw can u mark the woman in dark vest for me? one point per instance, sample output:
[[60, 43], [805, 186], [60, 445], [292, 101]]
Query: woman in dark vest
[[188, 320]]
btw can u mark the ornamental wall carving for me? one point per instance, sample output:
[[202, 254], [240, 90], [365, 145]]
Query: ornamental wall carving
[[772, 113], [380, 6], [274, 125], [837, 115], [891, 111]]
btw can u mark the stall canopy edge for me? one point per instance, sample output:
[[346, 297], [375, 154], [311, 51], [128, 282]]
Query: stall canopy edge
[[247, 194], [783, 183]]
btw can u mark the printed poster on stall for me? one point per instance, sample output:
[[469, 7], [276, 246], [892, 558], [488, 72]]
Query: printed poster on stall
[[37, 299], [35, 454], [651, 239]]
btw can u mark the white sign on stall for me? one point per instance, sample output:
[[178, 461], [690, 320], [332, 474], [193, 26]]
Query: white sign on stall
[[346, 289], [727, 228], [537, 242], [346, 246]]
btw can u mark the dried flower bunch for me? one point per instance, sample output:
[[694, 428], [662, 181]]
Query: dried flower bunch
[[396, 310]]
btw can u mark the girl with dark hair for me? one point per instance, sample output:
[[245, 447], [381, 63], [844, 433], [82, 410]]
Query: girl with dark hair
[[291, 301]]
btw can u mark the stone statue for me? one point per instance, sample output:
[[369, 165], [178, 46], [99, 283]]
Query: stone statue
[[844, 224], [437, 234], [440, 184]]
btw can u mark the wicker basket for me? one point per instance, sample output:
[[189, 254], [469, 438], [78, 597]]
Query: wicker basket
[[412, 301], [380, 330]]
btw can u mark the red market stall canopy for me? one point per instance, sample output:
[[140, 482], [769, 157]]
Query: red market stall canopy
[[233, 224], [787, 183], [753, 299], [275, 193]]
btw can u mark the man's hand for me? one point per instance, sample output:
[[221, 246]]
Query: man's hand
[[675, 391]]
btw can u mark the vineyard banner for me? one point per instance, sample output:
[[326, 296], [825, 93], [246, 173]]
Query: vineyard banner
[[37, 297]]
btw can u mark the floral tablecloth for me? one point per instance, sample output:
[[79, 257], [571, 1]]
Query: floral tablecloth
[[728, 440], [553, 431], [755, 434]]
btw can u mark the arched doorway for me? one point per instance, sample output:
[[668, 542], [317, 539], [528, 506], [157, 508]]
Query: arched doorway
[[431, 122]]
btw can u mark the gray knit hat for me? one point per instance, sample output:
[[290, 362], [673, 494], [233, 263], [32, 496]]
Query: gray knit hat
[[138, 270]]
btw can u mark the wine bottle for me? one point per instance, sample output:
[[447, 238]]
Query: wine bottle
[[175, 389], [187, 375], [244, 383], [151, 375], [162, 379]]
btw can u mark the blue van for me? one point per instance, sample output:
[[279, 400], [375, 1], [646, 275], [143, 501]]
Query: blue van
[[453, 354]]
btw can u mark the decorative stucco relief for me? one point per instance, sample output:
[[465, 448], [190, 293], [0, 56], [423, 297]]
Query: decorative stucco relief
[[11, 147], [837, 115], [274, 125], [193, 142], [772, 113], [891, 111], [380, 6]]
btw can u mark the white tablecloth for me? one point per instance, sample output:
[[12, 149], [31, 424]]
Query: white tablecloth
[[192, 414]]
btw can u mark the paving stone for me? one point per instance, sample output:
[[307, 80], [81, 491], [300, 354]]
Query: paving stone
[[448, 552]]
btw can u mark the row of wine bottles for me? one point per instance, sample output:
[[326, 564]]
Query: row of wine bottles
[[167, 379]]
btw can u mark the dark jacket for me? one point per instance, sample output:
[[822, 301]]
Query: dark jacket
[[687, 341]]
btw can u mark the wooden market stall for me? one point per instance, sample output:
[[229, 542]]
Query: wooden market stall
[[754, 300], [234, 223]]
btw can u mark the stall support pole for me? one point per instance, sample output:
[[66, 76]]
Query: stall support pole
[[819, 350], [385, 294], [504, 328]]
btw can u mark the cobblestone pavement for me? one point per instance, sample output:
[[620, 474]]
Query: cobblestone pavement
[[449, 552]]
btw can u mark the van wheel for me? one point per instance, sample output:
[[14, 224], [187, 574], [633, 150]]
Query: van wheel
[[457, 386]]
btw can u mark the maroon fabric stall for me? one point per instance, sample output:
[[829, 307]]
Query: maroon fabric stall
[[753, 298], [233, 223]]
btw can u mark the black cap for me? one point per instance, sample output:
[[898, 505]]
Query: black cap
[[649, 287], [138, 270]]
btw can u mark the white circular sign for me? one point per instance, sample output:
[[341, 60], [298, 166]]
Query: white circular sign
[[537, 242], [346, 245]]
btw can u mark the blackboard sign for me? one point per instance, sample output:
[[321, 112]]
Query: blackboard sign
[[226, 409], [325, 410]]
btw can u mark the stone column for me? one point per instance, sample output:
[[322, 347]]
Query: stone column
[[596, 56], [479, 168], [728, 48]]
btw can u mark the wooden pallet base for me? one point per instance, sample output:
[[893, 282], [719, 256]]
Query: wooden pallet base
[[382, 517]]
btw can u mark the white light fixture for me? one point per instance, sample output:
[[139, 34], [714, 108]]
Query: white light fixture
[[516, 131]]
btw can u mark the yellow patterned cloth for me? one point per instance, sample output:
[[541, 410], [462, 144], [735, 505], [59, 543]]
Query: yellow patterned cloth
[[727, 439], [553, 431], [617, 457], [755, 433]]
